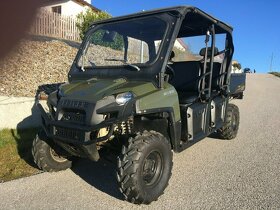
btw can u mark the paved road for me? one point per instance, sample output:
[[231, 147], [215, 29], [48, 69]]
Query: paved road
[[213, 174]]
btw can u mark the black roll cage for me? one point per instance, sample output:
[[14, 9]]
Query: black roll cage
[[190, 21], [214, 27]]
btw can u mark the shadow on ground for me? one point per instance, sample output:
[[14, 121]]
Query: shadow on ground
[[216, 136], [24, 136], [24, 139], [101, 175]]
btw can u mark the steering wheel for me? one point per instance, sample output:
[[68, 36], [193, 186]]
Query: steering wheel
[[170, 71]]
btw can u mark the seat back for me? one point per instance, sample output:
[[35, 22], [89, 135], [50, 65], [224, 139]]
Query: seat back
[[216, 76], [187, 76], [202, 52]]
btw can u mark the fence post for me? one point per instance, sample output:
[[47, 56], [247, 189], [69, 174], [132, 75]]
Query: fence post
[[55, 25]]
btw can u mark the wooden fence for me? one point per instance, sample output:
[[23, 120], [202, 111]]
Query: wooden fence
[[55, 25]]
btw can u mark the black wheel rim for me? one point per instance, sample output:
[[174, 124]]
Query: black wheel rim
[[152, 168]]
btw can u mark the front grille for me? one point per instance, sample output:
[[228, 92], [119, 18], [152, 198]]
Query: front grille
[[74, 116], [69, 134]]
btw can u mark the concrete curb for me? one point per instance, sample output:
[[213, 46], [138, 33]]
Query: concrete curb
[[18, 112]]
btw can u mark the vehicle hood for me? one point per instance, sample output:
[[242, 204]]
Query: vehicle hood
[[95, 89]]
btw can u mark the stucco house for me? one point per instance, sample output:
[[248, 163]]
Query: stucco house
[[68, 7], [180, 45]]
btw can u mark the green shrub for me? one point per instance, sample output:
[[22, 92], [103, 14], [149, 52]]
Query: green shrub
[[237, 65], [85, 19], [117, 44]]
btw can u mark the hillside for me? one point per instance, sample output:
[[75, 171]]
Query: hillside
[[45, 61], [41, 60], [35, 62]]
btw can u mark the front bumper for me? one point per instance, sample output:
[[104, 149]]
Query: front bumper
[[74, 133]]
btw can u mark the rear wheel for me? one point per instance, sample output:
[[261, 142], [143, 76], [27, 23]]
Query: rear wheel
[[47, 155], [231, 124], [144, 167]]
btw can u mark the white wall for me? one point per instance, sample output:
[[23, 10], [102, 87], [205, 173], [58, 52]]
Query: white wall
[[72, 8], [19, 112], [68, 8], [179, 46]]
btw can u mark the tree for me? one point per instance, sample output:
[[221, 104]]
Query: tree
[[85, 19], [237, 65]]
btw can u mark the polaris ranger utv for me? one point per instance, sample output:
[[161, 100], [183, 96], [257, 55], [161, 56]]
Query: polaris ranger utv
[[142, 82]]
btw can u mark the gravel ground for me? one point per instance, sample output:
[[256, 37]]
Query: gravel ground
[[41, 60], [213, 174], [35, 62]]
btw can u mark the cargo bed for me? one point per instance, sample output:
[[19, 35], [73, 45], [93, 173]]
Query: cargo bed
[[237, 85]]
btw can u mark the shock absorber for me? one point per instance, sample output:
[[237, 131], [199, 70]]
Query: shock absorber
[[126, 127]]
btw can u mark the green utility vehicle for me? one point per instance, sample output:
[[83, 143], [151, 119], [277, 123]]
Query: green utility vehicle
[[151, 83]]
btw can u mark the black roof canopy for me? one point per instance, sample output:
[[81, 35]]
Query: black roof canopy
[[195, 22], [182, 21]]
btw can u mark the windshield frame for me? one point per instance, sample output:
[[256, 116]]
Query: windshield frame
[[155, 71], [86, 43]]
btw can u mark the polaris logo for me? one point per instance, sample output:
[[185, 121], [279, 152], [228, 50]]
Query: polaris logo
[[74, 104]]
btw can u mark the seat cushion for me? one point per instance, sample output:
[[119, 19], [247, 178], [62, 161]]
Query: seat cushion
[[187, 97]]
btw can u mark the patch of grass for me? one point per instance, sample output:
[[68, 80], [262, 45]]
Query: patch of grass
[[15, 153], [5, 138], [277, 74]]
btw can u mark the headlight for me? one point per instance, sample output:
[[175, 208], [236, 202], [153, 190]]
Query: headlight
[[122, 98]]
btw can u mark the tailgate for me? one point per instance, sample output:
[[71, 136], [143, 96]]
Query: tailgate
[[237, 83]]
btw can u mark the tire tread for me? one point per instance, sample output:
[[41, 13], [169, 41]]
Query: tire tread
[[226, 132], [40, 148], [128, 164]]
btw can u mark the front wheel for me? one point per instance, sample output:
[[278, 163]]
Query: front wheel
[[144, 167], [231, 124], [47, 155]]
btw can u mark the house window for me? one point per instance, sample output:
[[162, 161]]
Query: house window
[[56, 9]]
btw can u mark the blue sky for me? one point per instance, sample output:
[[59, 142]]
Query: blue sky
[[256, 24]]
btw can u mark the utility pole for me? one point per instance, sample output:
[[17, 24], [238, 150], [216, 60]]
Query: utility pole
[[271, 61], [142, 52]]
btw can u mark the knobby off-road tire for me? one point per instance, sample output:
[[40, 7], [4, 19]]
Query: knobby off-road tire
[[231, 124], [46, 154], [144, 167]]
